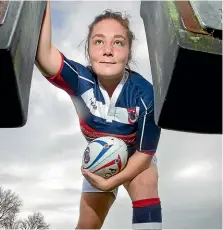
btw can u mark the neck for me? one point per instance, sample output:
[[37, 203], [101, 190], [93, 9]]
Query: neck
[[110, 85]]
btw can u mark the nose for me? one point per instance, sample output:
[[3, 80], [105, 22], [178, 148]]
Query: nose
[[108, 50]]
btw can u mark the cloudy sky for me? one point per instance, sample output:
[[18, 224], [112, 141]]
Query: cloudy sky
[[41, 161]]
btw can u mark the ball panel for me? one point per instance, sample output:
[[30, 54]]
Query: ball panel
[[90, 154], [97, 150], [111, 156]]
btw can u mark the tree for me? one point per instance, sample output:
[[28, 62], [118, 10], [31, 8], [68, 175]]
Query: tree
[[35, 221], [10, 205]]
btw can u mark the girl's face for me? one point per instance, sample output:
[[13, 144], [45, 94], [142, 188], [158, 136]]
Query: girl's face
[[109, 49]]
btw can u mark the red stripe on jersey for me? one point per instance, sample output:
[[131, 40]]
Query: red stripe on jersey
[[58, 81], [92, 133], [148, 153]]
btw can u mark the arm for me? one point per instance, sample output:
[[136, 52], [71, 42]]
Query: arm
[[48, 58], [53, 64], [137, 163]]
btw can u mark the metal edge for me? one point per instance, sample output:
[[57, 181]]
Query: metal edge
[[16, 22], [6, 12]]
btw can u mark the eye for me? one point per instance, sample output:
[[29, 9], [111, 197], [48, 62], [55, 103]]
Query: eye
[[98, 42], [119, 43]]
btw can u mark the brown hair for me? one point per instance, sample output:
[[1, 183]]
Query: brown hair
[[123, 20]]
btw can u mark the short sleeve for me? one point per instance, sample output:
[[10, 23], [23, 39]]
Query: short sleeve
[[68, 76], [148, 133]]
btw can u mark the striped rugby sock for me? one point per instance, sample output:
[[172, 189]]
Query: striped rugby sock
[[147, 214]]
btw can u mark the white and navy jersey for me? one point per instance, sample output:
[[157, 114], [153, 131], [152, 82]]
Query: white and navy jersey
[[128, 114]]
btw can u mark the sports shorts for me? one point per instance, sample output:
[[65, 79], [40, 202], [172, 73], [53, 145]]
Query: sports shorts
[[87, 187]]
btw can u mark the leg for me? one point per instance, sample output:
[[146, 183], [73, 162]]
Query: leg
[[143, 190], [94, 207]]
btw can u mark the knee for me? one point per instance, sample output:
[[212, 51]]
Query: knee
[[90, 220], [88, 223], [147, 182], [144, 186]]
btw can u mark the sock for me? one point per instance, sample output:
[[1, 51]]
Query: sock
[[147, 214]]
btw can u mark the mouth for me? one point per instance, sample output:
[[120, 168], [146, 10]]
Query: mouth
[[106, 62]]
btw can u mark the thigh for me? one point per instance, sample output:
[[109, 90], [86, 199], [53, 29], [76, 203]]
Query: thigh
[[144, 185], [94, 206]]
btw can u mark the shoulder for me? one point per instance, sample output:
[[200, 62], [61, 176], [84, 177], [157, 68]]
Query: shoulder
[[142, 86], [75, 67]]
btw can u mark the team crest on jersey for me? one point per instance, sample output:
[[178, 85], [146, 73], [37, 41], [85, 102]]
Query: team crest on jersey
[[87, 155], [132, 116]]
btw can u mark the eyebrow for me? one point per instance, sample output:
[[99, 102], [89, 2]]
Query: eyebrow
[[115, 36]]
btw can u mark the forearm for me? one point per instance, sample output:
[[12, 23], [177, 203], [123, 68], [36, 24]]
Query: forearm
[[48, 58], [45, 43], [136, 164]]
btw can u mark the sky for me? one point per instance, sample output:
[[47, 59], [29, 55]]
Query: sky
[[41, 161]]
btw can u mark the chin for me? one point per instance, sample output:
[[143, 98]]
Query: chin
[[109, 72]]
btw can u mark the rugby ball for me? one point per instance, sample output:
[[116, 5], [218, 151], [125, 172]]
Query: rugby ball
[[105, 156]]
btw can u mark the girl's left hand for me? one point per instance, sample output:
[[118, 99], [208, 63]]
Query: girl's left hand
[[96, 181]]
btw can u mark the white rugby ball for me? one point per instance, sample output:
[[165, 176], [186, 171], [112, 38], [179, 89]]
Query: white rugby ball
[[105, 156]]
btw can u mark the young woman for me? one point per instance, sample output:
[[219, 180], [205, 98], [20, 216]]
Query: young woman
[[110, 99]]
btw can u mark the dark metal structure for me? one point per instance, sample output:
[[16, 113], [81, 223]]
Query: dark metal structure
[[185, 46], [20, 24]]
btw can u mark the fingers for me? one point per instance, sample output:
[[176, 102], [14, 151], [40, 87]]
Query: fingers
[[84, 171]]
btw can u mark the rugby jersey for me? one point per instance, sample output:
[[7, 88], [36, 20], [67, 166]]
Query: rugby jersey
[[128, 114]]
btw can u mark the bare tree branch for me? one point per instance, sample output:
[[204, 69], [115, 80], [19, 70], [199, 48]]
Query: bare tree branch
[[35, 221], [10, 205]]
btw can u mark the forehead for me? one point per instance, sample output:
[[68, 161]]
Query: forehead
[[109, 27]]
